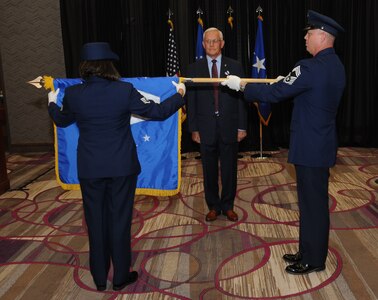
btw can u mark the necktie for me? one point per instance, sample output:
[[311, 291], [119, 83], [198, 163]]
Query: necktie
[[214, 74]]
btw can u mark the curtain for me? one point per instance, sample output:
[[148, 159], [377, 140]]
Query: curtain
[[136, 30]]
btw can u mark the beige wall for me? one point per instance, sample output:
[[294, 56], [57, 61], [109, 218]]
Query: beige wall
[[30, 45]]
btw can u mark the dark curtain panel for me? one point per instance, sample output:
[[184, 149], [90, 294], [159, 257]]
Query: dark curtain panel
[[137, 30]]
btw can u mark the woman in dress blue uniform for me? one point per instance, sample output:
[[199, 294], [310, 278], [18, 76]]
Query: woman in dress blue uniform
[[107, 160], [316, 84]]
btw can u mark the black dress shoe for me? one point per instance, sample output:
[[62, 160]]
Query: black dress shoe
[[101, 287], [133, 276], [292, 258], [301, 269]]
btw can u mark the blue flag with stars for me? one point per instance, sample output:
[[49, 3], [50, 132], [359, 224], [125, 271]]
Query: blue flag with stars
[[200, 52], [158, 142], [259, 70]]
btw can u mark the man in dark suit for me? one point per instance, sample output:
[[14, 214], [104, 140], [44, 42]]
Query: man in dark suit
[[317, 85], [108, 165], [217, 119]]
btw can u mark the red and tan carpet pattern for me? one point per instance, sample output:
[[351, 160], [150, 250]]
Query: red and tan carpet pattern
[[44, 247]]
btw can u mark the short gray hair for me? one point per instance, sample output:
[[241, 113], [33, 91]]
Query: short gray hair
[[213, 29]]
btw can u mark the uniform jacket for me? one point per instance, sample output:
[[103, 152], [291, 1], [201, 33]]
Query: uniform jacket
[[232, 109], [102, 111], [316, 84]]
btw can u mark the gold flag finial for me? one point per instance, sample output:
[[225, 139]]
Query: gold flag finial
[[43, 81], [37, 82]]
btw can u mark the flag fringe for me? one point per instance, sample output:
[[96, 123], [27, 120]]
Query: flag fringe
[[262, 119], [229, 21], [200, 21], [64, 186]]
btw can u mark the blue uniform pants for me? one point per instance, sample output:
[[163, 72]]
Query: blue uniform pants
[[312, 189], [108, 208]]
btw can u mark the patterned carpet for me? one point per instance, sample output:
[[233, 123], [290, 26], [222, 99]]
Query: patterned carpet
[[44, 247]]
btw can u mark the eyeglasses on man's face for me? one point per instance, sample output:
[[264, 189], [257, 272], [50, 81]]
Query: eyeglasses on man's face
[[210, 42]]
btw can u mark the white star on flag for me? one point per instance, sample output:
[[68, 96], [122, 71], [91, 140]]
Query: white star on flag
[[173, 66], [146, 138], [259, 64]]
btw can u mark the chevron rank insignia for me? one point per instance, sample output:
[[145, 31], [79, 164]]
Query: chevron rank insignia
[[144, 100], [293, 75]]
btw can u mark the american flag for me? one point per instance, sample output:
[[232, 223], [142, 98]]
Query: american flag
[[173, 65]]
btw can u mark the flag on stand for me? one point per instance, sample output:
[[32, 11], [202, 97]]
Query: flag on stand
[[200, 52], [259, 70], [158, 142], [173, 65]]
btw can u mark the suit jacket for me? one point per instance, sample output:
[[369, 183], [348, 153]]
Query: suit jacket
[[317, 85], [102, 111], [201, 109]]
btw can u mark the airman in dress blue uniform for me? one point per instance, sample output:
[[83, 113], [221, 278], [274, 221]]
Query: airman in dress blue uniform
[[108, 164], [316, 86]]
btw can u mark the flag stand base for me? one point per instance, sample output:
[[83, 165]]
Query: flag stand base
[[261, 155]]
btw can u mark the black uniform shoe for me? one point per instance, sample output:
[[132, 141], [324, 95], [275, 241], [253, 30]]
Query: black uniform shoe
[[292, 258], [133, 276], [101, 287], [301, 269]]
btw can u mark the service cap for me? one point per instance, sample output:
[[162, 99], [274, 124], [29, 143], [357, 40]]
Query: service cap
[[98, 51], [316, 20]]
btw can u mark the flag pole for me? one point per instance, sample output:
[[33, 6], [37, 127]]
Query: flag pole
[[200, 51], [261, 155], [215, 80], [261, 147], [259, 64]]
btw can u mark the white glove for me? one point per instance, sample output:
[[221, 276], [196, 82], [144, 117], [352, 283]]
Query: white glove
[[53, 95], [279, 78], [233, 82], [180, 86]]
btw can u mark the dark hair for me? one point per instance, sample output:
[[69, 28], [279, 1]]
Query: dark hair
[[99, 68]]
